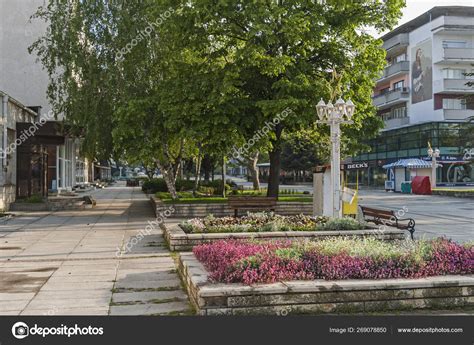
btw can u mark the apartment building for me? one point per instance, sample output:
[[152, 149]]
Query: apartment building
[[425, 95], [22, 77]]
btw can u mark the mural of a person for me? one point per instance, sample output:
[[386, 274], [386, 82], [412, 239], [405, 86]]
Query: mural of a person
[[421, 74]]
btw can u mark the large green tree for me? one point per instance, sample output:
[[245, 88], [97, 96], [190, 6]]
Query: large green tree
[[281, 53], [209, 74]]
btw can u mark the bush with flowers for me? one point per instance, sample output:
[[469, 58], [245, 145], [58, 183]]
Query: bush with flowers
[[252, 262], [268, 222]]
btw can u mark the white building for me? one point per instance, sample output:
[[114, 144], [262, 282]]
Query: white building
[[424, 96], [22, 77], [432, 87]]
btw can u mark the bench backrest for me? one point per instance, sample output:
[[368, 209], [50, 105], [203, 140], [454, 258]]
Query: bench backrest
[[377, 213], [251, 201]]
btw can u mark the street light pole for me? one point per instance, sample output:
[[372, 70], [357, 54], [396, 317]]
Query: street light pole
[[334, 116], [434, 154]]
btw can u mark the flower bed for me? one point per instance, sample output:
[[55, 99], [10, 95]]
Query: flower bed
[[352, 258], [323, 296], [268, 222]]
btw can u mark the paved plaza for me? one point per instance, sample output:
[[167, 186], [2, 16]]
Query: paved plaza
[[75, 262], [434, 215]]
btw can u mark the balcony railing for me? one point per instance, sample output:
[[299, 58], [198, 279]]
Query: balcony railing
[[394, 123], [459, 54], [392, 96], [394, 69], [457, 85], [400, 40], [458, 114]]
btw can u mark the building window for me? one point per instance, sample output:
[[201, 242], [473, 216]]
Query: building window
[[454, 44], [400, 58], [386, 116], [454, 103], [398, 85], [454, 73], [399, 113], [396, 113]]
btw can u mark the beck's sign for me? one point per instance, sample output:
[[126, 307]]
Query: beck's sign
[[355, 166]]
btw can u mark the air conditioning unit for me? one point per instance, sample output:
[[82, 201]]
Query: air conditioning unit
[[389, 185]]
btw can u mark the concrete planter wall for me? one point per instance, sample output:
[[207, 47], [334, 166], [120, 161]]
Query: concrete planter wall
[[457, 194], [320, 296], [55, 204], [220, 210], [178, 240]]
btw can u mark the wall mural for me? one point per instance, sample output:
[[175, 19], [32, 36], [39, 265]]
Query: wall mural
[[421, 73]]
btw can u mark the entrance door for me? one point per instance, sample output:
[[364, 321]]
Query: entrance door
[[32, 171]]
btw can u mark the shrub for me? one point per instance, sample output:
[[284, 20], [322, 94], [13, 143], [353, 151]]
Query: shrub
[[154, 185], [167, 196], [206, 190], [184, 185], [253, 222], [252, 262], [345, 223], [216, 185], [159, 185]]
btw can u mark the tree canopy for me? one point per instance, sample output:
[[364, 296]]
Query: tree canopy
[[159, 81]]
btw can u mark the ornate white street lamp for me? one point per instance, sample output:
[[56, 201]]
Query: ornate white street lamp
[[434, 154], [334, 116]]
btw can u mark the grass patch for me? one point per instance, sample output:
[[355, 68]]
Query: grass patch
[[221, 200]]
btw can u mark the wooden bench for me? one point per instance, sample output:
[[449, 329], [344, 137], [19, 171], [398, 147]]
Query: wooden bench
[[251, 203], [389, 218]]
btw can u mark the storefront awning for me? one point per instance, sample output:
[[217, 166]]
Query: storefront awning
[[411, 163]]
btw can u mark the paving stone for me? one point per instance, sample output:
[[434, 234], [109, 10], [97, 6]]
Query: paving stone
[[150, 309], [148, 284], [145, 296]]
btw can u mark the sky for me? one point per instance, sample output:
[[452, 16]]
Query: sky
[[416, 7]]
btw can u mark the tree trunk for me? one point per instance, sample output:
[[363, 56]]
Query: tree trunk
[[149, 172], [274, 177], [168, 176], [198, 172], [251, 164], [275, 164], [223, 176], [206, 167]]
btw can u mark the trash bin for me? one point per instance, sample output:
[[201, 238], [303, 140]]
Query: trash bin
[[406, 187]]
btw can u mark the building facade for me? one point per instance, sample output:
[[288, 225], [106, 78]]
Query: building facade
[[24, 78], [12, 113], [425, 95]]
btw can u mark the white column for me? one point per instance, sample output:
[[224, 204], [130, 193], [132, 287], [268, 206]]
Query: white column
[[433, 171], [335, 168], [57, 167]]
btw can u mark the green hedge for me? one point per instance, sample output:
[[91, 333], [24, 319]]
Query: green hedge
[[159, 185]]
